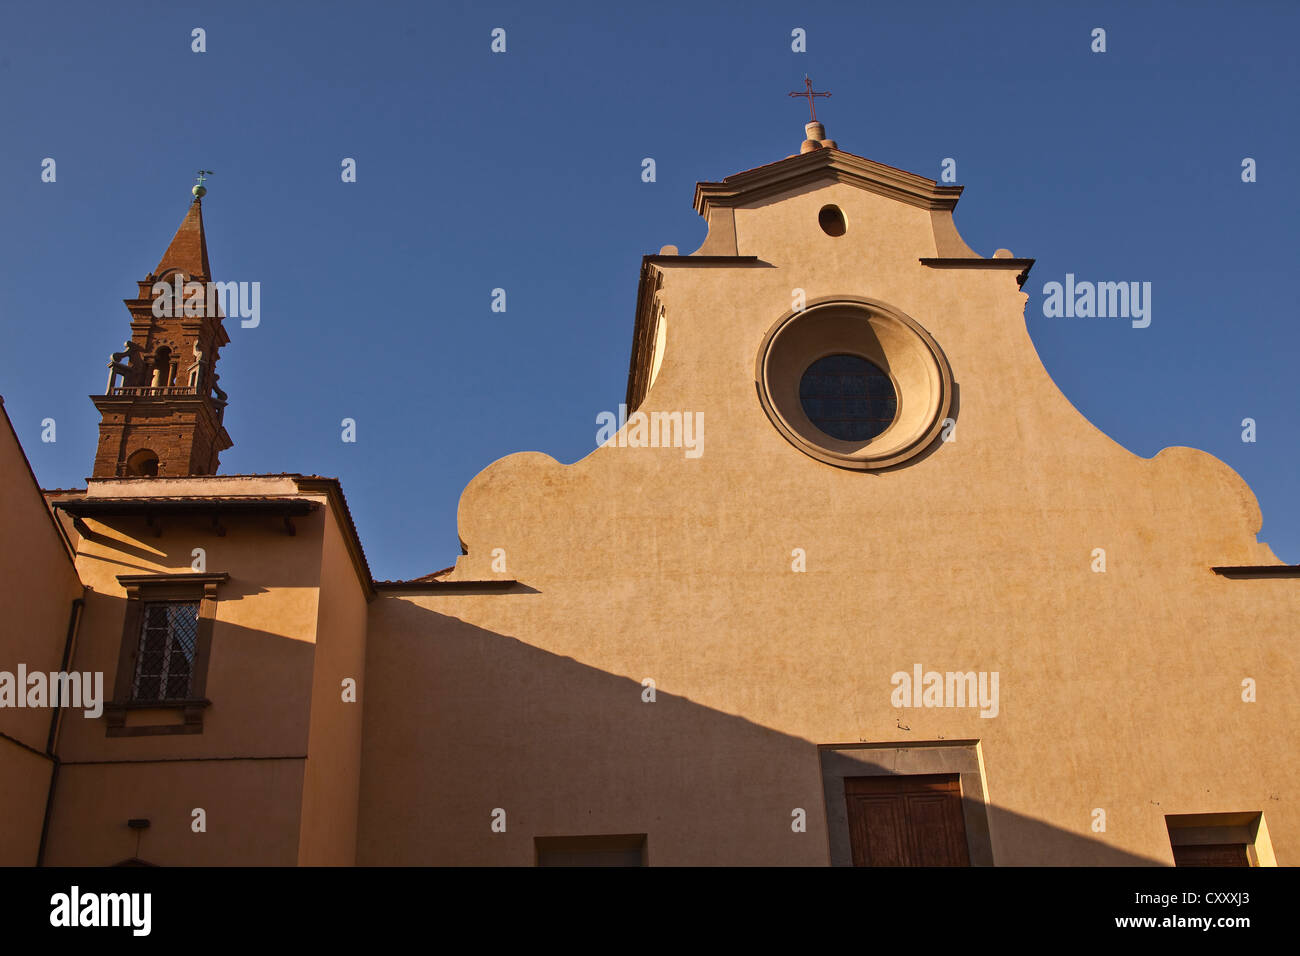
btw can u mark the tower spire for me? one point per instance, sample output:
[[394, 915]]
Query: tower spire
[[188, 252], [162, 408]]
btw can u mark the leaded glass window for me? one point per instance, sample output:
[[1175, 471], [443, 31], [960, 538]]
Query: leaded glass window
[[848, 397]]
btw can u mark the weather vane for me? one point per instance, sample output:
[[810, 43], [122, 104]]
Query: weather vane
[[201, 190], [808, 92]]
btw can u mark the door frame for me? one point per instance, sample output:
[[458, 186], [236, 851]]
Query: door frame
[[962, 757]]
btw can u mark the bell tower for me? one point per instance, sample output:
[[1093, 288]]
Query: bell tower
[[161, 411]]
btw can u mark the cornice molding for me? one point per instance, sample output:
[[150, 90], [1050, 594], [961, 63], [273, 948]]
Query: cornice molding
[[703, 260], [824, 165], [970, 262], [1258, 570]]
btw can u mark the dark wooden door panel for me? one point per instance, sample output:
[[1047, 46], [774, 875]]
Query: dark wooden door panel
[[1211, 854], [881, 837], [906, 820], [937, 829]]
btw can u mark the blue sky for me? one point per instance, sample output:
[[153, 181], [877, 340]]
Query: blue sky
[[522, 171]]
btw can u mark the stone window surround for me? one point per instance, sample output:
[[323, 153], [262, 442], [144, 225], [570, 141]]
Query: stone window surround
[[141, 589], [888, 338], [1247, 828], [962, 757]]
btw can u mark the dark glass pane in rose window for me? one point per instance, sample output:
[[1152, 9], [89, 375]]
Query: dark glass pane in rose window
[[848, 397]]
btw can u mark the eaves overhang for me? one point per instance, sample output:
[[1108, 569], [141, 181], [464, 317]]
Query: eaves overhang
[[144, 506]]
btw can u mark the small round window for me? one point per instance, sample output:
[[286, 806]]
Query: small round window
[[831, 219], [848, 397]]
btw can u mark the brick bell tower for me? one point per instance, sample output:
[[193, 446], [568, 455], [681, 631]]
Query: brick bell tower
[[161, 412]]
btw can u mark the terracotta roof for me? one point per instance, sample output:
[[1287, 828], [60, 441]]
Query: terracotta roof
[[135, 504], [259, 474], [432, 575], [777, 162]]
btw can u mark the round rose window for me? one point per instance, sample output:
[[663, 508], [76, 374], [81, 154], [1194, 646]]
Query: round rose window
[[854, 382]]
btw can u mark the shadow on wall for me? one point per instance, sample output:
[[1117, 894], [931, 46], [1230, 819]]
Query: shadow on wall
[[459, 722], [466, 728], [245, 770]]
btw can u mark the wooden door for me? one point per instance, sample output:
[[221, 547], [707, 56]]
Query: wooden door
[[1211, 854], [906, 820]]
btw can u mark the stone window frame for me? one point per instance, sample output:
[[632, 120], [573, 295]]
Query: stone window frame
[[1245, 827], [962, 757], [924, 386], [142, 589]]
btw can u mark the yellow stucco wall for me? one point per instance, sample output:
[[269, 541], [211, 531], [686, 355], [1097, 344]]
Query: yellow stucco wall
[[40, 584], [251, 811], [259, 677], [1118, 690], [332, 775], [266, 800], [26, 776]]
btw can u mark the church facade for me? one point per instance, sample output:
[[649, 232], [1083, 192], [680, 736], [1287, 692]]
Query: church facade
[[848, 581]]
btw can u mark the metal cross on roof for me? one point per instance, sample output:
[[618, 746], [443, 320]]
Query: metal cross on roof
[[808, 92]]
